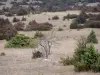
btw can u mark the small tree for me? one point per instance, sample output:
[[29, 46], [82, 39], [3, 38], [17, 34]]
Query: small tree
[[46, 43], [92, 38]]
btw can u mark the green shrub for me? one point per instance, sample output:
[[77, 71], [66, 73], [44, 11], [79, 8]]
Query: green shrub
[[92, 37], [21, 41], [96, 66], [38, 34], [67, 61], [84, 56], [90, 56]]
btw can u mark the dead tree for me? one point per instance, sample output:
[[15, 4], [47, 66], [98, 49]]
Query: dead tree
[[46, 43]]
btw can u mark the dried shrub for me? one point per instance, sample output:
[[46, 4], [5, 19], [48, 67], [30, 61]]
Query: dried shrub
[[37, 54], [19, 26], [2, 54], [38, 34], [55, 18], [70, 16], [33, 25], [67, 61]]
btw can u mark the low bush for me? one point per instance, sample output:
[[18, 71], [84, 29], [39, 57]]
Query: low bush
[[21, 41], [55, 18], [37, 54], [19, 26]]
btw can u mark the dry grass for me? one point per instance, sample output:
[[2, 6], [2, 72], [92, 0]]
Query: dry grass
[[19, 62]]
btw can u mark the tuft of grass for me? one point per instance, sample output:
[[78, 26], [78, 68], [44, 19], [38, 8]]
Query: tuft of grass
[[60, 29], [67, 61]]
